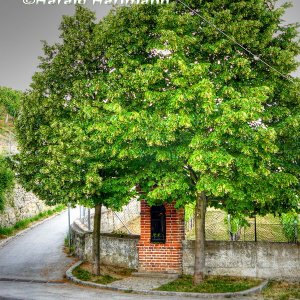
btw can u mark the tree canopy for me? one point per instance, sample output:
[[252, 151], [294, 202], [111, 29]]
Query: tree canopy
[[63, 159], [199, 112]]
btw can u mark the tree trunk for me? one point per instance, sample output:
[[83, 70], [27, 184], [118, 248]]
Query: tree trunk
[[200, 210], [96, 239]]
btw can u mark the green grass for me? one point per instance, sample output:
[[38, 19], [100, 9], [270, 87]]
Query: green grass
[[69, 249], [82, 274], [105, 279], [20, 225], [280, 290], [212, 284], [85, 275]]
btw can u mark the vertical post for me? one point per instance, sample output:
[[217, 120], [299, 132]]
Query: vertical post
[[89, 219], [69, 223], [296, 231], [255, 231], [80, 212], [9, 143], [229, 227]]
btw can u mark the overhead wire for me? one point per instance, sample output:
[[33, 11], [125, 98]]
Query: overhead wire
[[256, 57]]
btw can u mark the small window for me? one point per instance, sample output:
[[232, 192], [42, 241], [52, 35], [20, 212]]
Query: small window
[[158, 224]]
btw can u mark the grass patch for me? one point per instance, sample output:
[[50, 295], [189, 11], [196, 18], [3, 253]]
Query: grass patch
[[105, 279], [108, 273], [280, 290], [212, 284], [22, 224], [69, 249], [85, 275], [82, 274]]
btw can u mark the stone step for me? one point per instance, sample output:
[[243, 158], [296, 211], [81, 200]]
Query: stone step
[[155, 275]]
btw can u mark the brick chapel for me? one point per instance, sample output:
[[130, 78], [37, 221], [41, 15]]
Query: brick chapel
[[160, 245]]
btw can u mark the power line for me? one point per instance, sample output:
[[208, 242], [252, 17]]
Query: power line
[[256, 57]]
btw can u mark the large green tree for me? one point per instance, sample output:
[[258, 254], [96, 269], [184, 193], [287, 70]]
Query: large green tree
[[204, 120], [64, 140]]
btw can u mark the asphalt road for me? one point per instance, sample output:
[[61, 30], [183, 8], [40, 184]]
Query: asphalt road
[[63, 291], [35, 291], [38, 253], [37, 256]]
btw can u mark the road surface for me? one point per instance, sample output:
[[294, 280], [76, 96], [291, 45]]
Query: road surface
[[38, 254], [33, 265]]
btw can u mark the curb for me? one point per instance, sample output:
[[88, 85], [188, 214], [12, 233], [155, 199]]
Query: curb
[[9, 239], [253, 290]]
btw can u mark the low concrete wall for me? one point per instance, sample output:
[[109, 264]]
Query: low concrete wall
[[260, 259], [20, 205], [114, 250]]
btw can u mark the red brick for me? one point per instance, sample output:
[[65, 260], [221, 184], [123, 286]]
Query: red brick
[[161, 257]]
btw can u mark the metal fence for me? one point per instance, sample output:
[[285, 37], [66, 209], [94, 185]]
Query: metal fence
[[266, 228], [260, 229], [124, 221]]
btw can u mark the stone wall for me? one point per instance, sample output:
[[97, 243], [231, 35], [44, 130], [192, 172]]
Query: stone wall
[[114, 250], [20, 205], [260, 259]]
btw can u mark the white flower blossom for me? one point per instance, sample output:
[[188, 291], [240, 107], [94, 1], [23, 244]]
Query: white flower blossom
[[68, 97], [257, 123], [160, 53]]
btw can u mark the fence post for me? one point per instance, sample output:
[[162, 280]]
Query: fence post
[[255, 231], [296, 231], [69, 224], [89, 219]]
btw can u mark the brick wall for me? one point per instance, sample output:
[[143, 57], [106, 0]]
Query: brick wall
[[161, 257]]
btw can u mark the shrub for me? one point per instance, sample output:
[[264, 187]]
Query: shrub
[[290, 222], [6, 180]]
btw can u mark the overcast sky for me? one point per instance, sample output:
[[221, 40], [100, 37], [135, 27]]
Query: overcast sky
[[22, 27]]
